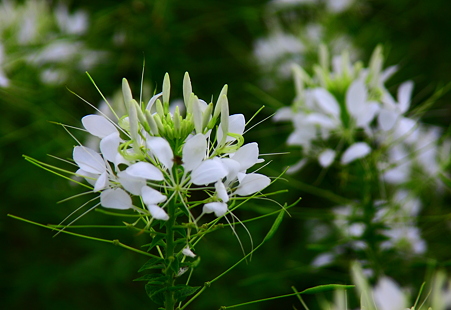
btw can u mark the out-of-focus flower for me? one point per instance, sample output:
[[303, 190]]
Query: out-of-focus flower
[[46, 38]]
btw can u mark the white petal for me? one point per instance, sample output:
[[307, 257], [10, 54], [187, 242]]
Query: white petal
[[297, 166], [247, 155], [321, 120], [219, 208], [370, 111], [237, 123], [102, 182], [131, 183], [356, 98], [209, 171], [145, 170], [162, 150], [115, 199], [327, 102], [233, 167], [252, 183], [355, 151], [302, 137], [404, 95], [326, 157], [284, 114], [387, 73], [109, 146], [187, 252], [89, 160], [90, 177], [152, 101], [151, 196], [387, 119], [221, 191], [388, 295], [323, 259], [194, 151], [158, 213], [98, 125]]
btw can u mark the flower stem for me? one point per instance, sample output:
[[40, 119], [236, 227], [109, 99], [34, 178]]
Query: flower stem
[[170, 258]]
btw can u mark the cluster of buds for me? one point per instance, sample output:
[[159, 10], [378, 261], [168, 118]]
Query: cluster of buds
[[159, 156]]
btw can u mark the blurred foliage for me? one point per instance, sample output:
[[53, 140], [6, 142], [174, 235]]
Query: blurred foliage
[[213, 41]]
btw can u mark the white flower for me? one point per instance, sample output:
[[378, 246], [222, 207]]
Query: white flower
[[187, 252]]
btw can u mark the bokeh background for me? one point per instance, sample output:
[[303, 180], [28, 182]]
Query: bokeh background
[[216, 42]]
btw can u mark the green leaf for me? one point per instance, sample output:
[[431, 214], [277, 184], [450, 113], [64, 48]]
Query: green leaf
[[327, 287], [153, 263], [275, 226], [175, 265], [156, 293], [157, 240], [152, 277], [181, 231], [182, 291]]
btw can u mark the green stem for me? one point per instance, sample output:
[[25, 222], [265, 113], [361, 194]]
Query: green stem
[[170, 258], [114, 242]]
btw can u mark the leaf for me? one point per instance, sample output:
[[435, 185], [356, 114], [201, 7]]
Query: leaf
[[156, 293], [181, 231], [182, 291], [327, 287], [175, 265], [153, 263], [274, 226], [152, 277], [157, 240]]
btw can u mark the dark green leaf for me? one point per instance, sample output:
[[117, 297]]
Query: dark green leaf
[[157, 240], [181, 231], [153, 263], [182, 291], [156, 293], [175, 265], [152, 277]]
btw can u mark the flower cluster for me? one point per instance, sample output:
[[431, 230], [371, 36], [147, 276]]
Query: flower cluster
[[340, 105], [45, 38], [345, 118], [293, 38], [158, 156]]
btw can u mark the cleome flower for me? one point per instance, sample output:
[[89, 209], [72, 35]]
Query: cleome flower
[[153, 156], [335, 110]]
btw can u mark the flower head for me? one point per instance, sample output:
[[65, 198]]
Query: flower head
[[156, 156]]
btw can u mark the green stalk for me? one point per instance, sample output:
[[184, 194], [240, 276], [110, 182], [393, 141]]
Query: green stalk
[[169, 259]]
